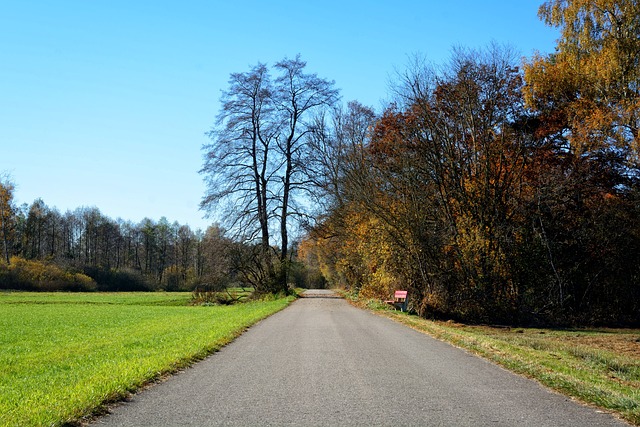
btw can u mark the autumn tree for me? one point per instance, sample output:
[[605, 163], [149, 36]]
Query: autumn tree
[[590, 87], [584, 175], [337, 168], [420, 197], [446, 169]]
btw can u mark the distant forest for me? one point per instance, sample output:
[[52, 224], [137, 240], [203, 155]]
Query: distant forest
[[493, 188], [86, 250]]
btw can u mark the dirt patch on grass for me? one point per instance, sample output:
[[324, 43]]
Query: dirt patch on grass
[[627, 344]]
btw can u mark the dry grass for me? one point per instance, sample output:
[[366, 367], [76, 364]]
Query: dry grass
[[599, 367]]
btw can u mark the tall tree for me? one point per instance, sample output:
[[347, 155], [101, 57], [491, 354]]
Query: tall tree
[[36, 230], [238, 168], [458, 144], [7, 213], [298, 95], [255, 166], [589, 90], [587, 99]]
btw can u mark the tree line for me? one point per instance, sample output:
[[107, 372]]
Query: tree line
[[44, 249], [494, 189]]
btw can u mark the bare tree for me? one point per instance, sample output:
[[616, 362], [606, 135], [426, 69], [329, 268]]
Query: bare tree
[[337, 146], [298, 96], [255, 167], [238, 166]]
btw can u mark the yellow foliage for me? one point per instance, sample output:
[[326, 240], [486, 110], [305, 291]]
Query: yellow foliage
[[380, 284], [592, 80], [37, 275]]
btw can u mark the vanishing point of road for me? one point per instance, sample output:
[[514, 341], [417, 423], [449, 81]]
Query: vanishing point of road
[[322, 362]]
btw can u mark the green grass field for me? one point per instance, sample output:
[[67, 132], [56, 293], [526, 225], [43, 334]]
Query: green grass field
[[63, 355]]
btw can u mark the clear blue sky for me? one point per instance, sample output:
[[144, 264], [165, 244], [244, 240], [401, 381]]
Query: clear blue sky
[[105, 102]]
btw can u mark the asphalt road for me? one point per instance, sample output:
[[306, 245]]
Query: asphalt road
[[322, 362]]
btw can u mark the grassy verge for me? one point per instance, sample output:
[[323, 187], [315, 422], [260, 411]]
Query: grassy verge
[[64, 356], [596, 366]]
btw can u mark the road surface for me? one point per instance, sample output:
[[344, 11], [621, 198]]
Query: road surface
[[322, 362]]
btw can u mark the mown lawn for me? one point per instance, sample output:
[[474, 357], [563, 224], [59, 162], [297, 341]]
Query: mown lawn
[[597, 366], [63, 356]]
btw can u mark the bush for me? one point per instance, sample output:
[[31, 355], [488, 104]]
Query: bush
[[22, 274]]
